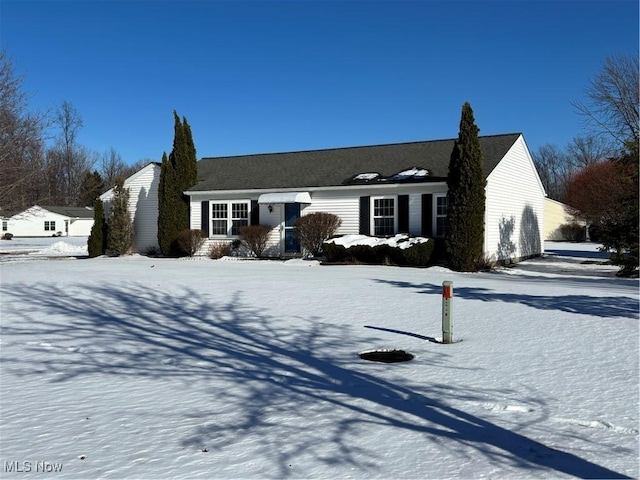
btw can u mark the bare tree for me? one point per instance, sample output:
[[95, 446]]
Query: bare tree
[[585, 151], [112, 167], [554, 168], [67, 162], [612, 99], [21, 142]]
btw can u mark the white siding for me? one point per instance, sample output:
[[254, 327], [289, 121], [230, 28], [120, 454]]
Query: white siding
[[80, 227], [338, 203], [514, 207], [143, 205]]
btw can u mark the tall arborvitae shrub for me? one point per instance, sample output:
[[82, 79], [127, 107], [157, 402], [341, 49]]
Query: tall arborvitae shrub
[[166, 214], [97, 242], [178, 173], [120, 225], [464, 227]]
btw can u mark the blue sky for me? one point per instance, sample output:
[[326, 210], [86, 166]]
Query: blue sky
[[254, 77]]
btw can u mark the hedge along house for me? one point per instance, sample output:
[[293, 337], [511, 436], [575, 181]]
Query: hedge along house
[[378, 190], [143, 205], [49, 221]]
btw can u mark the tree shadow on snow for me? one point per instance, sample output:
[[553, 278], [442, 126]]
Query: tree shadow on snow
[[289, 395], [605, 307]]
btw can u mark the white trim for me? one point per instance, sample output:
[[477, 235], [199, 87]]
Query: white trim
[[284, 197], [372, 201], [434, 225], [229, 218]]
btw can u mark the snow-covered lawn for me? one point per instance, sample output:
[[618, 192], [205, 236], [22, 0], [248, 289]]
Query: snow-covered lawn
[[137, 367]]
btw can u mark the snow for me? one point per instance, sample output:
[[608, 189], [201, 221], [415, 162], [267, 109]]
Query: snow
[[400, 240], [366, 176], [147, 368], [414, 172], [28, 248]]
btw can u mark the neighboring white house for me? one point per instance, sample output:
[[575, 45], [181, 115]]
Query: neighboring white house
[[143, 205], [48, 221], [376, 190]]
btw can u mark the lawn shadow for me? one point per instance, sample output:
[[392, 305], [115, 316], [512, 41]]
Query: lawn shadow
[[289, 393], [605, 307]]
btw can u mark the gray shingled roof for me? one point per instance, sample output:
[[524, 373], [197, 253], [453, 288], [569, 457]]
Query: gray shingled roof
[[334, 167], [73, 212]]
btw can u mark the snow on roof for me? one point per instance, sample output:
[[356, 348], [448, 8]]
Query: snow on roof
[[414, 172], [366, 176]]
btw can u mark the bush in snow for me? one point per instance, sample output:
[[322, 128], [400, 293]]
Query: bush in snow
[[190, 241], [7, 236], [255, 237], [416, 255], [219, 250], [313, 229]]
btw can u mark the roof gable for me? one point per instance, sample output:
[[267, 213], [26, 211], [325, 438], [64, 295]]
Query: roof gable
[[130, 179], [341, 166]]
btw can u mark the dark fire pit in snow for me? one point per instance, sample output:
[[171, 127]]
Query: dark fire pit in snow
[[386, 356]]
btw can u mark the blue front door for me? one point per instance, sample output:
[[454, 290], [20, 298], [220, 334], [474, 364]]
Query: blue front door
[[291, 214]]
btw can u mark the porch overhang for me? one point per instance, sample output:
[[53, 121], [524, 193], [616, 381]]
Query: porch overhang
[[284, 197]]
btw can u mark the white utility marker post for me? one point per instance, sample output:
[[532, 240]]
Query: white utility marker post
[[447, 312]]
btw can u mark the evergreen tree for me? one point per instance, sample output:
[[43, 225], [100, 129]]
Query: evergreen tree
[[120, 225], [177, 174], [96, 244], [92, 186], [166, 219], [464, 229]]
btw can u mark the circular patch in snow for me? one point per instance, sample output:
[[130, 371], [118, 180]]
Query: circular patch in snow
[[386, 356]]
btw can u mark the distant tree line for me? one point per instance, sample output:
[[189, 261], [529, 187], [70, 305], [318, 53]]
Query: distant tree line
[[597, 174], [41, 160]]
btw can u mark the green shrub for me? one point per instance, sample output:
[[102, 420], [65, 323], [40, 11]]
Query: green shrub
[[334, 253], [420, 254]]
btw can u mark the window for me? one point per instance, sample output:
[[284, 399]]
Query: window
[[49, 226], [219, 215], [228, 217], [384, 216], [441, 215], [239, 217], [5, 226]]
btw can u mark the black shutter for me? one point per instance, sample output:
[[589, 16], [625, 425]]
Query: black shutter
[[403, 213], [204, 220], [365, 215], [427, 215], [255, 212]]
